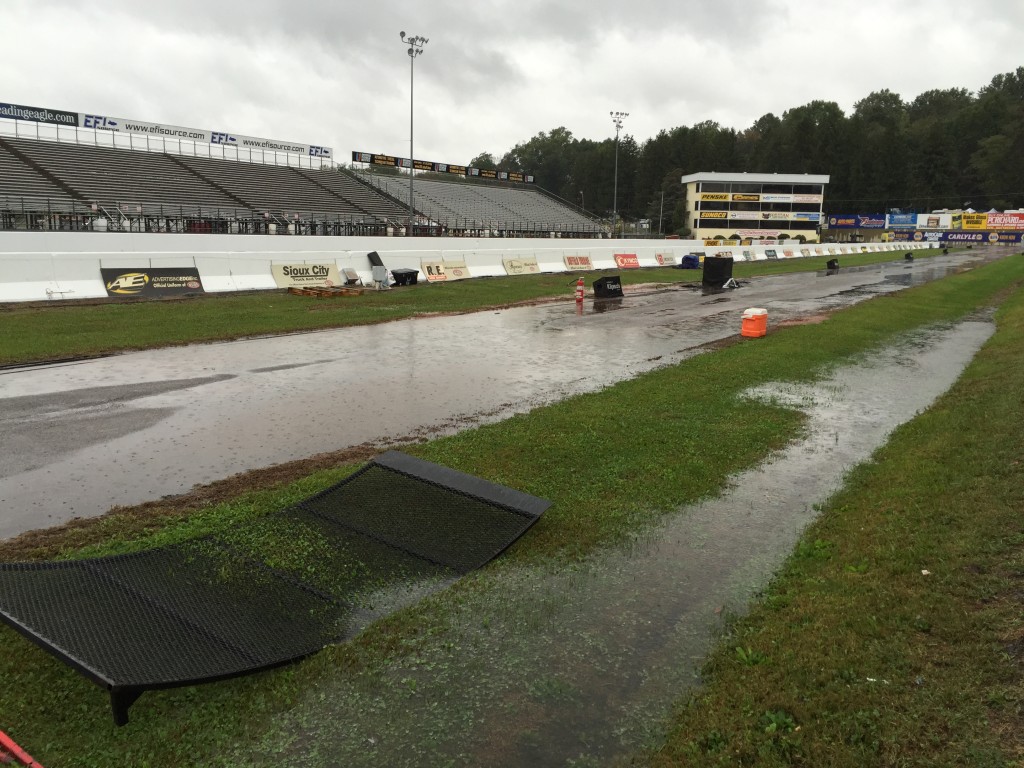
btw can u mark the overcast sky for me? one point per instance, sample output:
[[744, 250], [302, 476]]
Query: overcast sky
[[495, 72]]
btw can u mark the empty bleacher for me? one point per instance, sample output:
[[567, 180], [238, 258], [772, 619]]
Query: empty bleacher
[[24, 188], [279, 190], [458, 204], [50, 184], [357, 192], [132, 182]]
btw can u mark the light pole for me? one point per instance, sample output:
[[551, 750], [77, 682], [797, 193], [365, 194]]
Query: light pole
[[415, 43], [617, 118]]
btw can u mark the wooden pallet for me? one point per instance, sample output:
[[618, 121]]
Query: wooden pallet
[[325, 292]]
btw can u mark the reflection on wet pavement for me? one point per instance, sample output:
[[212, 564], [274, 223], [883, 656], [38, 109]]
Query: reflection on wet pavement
[[258, 402], [550, 665]]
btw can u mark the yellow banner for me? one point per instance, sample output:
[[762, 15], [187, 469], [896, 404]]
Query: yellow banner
[[974, 221], [714, 214], [521, 266], [719, 196], [298, 275], [747, 198], [456, 270], [434, 270]]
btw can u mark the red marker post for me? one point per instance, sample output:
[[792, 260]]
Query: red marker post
[[9, 751], [579, 291]]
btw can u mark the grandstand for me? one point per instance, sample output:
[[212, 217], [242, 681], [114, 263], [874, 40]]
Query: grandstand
[[459, 205], [48, 185]]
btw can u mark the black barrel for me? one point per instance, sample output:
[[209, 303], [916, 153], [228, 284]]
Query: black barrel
[[717, 271], [609, 287]]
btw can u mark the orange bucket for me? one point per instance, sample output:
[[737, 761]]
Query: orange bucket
[[755, 322]]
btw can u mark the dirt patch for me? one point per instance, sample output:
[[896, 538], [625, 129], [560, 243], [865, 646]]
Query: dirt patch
[[47, 543], [805, 320]]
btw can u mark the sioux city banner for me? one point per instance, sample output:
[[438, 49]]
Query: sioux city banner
[[297, 275], [666, 259], [151, 282]]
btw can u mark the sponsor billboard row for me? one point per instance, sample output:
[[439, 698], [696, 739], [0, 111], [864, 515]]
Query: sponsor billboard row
[[373, 158], [128, 125], [926, 221]]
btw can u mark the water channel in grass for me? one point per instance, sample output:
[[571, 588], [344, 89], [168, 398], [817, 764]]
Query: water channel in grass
[[579, 665]]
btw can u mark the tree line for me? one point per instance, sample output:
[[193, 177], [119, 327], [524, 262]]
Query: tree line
[[945, 149]]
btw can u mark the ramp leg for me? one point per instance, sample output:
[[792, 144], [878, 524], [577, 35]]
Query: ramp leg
[[120, 700]]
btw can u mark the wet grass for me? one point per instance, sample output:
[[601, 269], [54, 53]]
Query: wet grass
[[893, 635], [85, 329], [612, 462]]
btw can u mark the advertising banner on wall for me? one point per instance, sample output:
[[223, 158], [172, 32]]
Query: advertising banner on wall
[[128, 125], [666, 259], [627, 260], [523, 266], [1006, 220], [308, 275], [456, 269], [38, 114], [238, 140], [974, 221], [806, 216], [901, 221], [957, 238], [871, 221], [843, 221], [577, 262], [151, 282], [934, 221], [434, 270], [372, 158]]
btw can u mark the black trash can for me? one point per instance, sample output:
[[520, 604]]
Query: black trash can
[[405, 276], [832, 264], [717, 271], [609, 287], [908, 256]]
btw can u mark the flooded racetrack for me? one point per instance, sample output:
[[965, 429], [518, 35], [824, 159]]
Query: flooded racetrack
[[581, 664], [79, 438]]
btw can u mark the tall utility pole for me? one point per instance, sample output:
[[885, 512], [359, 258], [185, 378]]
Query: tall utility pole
[[617, 118], [415, 44]]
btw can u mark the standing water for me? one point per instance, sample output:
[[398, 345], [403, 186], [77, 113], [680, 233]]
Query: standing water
[[579, 665]]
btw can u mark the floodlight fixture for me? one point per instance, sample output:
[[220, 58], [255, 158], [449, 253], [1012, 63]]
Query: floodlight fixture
[[415, 49], [617, 119]]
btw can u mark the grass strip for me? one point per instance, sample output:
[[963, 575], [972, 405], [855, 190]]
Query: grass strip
[[33, 333], [611, 461], [893, 635]]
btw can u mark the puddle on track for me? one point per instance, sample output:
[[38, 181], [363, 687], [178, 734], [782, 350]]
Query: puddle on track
[[258, 402], [579, 665]]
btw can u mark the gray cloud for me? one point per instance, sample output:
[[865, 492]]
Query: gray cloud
[[495, 72]]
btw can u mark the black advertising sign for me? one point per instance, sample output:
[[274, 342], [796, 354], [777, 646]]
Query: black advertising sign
[[38, 114], [152, 282], [371, 158]]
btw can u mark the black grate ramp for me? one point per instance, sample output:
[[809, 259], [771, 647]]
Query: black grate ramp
[[276, 591]]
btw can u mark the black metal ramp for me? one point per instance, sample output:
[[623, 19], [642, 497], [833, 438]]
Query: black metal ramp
[[280, 589]]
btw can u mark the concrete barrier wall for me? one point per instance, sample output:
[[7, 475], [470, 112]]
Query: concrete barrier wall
[[36, 266]]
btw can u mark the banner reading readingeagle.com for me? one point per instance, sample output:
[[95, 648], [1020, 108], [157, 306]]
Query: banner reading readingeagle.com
[[38, 114]]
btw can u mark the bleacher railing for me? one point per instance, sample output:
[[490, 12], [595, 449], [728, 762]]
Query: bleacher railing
[[21, 129], [56, 215]]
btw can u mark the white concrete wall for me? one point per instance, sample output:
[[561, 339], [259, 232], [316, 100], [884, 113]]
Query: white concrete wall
[[38, 266]]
